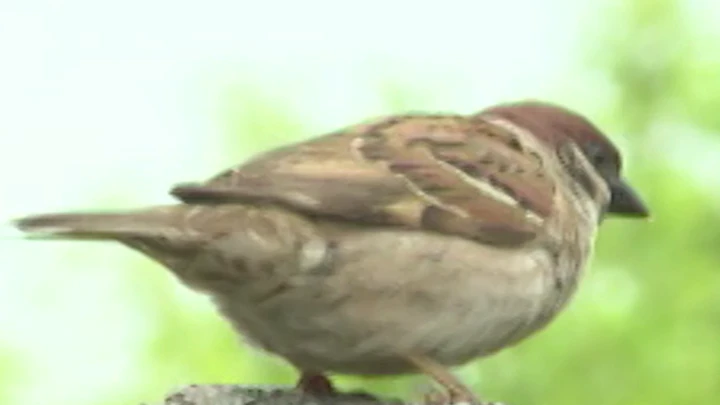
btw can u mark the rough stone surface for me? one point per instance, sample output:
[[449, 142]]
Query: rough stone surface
[[245, 395]]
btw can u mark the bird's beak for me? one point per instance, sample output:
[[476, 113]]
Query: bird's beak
[[625, 201]]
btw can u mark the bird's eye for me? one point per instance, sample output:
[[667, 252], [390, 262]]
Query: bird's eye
[[596, 154], [605, 159]]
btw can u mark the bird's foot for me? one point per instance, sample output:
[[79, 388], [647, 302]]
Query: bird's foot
[[315, 384], [318, 385]]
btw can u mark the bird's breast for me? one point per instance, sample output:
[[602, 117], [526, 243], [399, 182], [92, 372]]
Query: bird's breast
[[382, 293]]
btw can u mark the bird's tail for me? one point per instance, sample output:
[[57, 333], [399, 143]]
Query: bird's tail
[[102, 225]]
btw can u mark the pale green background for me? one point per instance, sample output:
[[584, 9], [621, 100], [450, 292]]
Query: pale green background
[[106, 104]]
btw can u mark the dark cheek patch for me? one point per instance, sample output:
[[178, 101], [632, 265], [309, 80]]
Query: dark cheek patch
[[574, 167]]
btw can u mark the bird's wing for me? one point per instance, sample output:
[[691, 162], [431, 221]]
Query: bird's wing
[[460, 175]]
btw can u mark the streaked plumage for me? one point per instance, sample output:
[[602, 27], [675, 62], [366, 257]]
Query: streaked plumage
[[403, 244]]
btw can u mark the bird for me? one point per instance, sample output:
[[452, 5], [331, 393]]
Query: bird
[[401, 244]]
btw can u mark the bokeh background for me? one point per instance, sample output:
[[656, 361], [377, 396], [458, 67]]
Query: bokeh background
[[106, 104]]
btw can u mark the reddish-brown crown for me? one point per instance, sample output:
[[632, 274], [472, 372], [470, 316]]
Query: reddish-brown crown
[[549, 122], [555, 125]]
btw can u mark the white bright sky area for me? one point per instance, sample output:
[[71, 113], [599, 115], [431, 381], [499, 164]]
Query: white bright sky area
[[123, 99]]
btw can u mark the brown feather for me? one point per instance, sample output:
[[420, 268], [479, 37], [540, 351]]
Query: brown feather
[[444, 173]]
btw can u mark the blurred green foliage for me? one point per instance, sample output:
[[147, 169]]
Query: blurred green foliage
[[11, 372]]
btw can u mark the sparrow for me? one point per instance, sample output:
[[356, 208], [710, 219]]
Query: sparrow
[[404, 244]]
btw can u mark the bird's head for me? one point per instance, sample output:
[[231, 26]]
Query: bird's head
[[557, 126]]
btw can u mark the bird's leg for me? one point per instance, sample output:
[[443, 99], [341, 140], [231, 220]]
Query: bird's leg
[[456, 391], [315, 384]]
